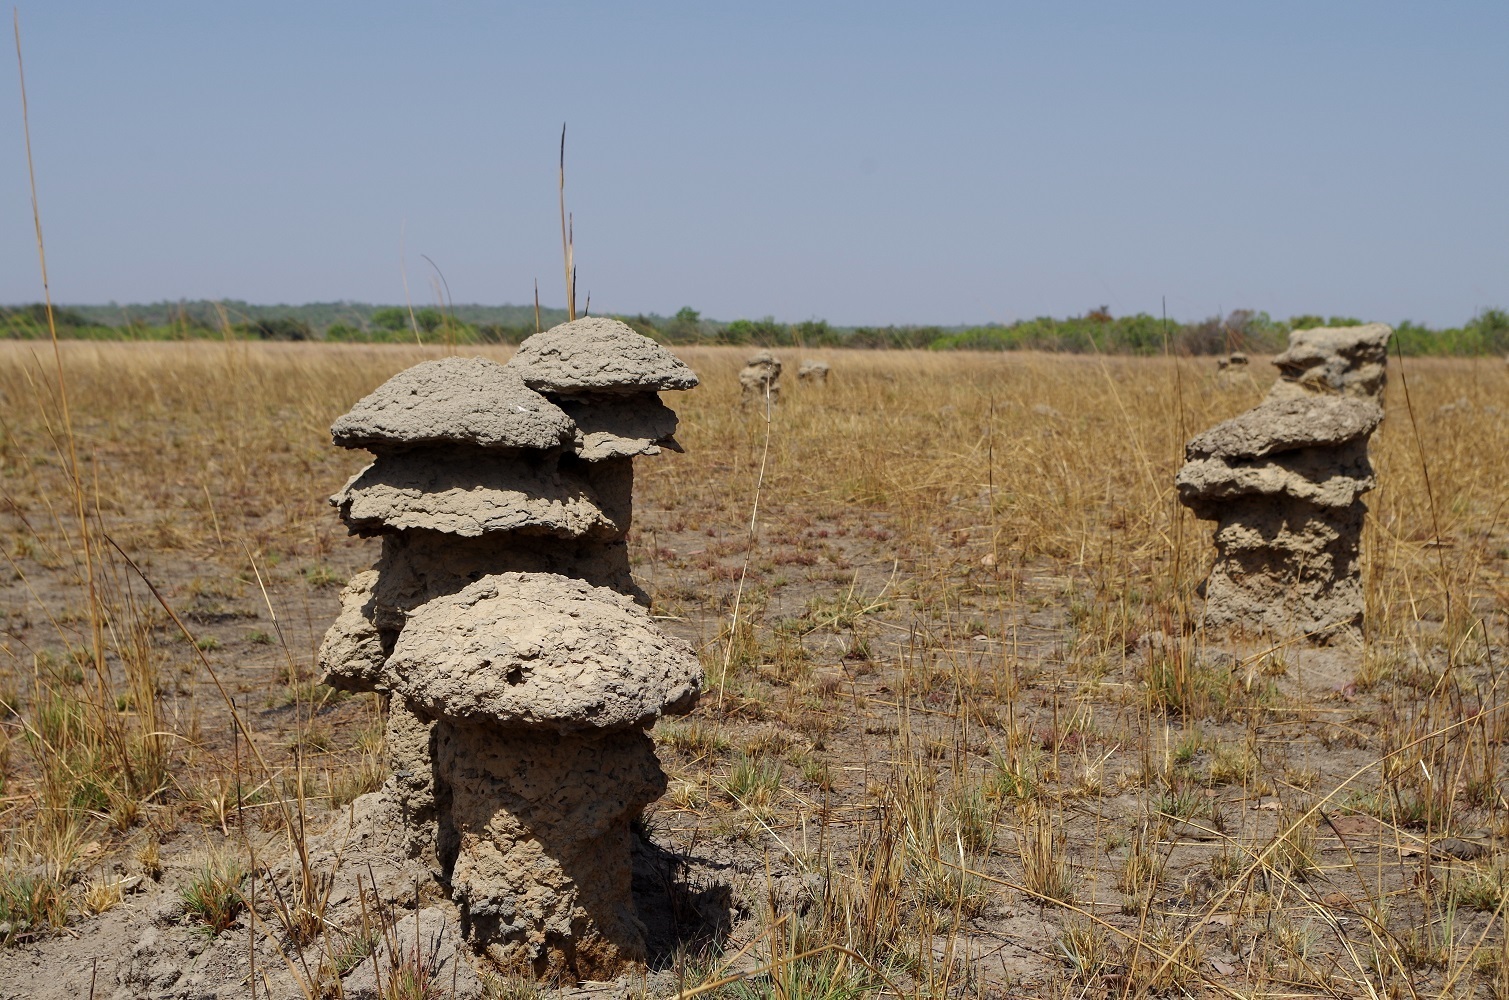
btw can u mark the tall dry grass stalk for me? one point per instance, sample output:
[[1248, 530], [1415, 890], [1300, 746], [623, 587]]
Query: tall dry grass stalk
[[103, 752], [568, 242], [730, 645], [100, 747]]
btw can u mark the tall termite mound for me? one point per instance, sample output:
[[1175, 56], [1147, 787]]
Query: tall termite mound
[[1284, 484], [504, 625]]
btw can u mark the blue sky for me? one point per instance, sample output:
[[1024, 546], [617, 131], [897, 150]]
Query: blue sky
[[864, 163]]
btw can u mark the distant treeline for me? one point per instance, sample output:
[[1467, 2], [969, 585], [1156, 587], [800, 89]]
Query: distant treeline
[[1097, 330], [334, 321], [350, 322]]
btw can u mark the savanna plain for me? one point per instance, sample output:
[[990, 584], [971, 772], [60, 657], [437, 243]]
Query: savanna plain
[[961, 733]]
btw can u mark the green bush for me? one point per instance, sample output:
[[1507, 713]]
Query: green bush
[[276, 329], [764, 332]]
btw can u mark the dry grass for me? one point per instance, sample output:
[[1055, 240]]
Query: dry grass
[[963, 702]]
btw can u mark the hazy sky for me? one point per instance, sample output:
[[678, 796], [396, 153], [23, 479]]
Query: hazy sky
[[865, 163]]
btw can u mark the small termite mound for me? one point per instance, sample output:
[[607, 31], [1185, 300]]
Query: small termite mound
[[1284, 483], [501, 620], [761, 377], [813, 371]]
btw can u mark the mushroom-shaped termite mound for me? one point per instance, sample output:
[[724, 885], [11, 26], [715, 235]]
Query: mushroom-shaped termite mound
[[541, 688], [503, 622], [1284, 482]]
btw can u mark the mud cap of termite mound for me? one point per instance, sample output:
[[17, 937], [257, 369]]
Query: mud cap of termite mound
[[537, 650], [463, 447], [1283, 446], [1288, 424], [465, 401], [1325, 399], [605, 376], [598, 356], [1348, 360], [470, 495]]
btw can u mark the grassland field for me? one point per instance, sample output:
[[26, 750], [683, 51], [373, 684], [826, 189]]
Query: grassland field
[[963, 736]]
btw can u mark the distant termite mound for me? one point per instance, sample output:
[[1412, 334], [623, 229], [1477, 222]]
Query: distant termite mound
[[503, 623], [761, 377], [813, 371], [1284, 483]]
